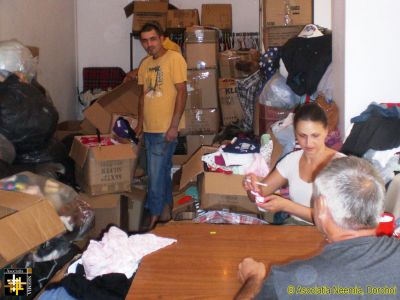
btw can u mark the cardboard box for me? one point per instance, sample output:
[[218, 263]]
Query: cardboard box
[[179, 160], [184, 208], [201, 121], [87, 127], [194, 96], [136, 200], [201, 55], [192, 144], [105, 169], [122, 99], [217, 15], [231, 108], [201, 47], [230, 61], [152, 11], [202, 89], [26, 221], [130, 8], [277, 36], [220, 191], [217, 191], [68, 128], [182, 18], [107, 210], [300, 12], [121, 209]]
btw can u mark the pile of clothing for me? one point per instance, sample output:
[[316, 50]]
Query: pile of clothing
[[241, 156]]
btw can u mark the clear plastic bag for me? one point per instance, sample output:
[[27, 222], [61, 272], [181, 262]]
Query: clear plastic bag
[[278, 94], [17, 58], [75, 213]]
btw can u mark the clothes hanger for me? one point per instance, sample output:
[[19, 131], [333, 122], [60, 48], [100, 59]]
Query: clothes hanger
[[310, 31]]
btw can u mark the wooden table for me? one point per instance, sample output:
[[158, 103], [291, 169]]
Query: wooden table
[[203, 263]]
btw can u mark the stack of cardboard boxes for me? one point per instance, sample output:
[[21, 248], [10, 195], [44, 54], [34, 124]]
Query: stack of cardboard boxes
[[105, 173], [202, 116], [282, 20]]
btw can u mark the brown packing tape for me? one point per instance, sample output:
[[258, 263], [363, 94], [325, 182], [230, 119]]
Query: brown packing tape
[[200, 35], [205, 81]]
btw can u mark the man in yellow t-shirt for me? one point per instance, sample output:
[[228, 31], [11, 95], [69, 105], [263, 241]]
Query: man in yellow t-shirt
[[162, 77]]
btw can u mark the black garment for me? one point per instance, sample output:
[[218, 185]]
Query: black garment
[[44, 271], [113, 286], [306, 60], [378, 133]]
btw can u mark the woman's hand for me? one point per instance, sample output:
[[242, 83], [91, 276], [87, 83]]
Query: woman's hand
[[275, 203], [250, 183]]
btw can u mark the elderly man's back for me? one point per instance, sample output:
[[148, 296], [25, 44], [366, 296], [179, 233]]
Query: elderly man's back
[[368, 266]]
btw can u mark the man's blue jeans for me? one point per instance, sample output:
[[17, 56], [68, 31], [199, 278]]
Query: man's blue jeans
[[159, 154]]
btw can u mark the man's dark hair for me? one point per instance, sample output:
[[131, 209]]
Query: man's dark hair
[[152, 26], [310, 112]]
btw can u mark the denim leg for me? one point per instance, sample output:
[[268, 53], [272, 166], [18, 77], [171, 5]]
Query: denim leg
[[159, 162], [168, 180]]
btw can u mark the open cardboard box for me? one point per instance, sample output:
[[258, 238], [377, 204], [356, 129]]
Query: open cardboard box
[[104, 169], [122, 99], [218, 191], [26, 221]]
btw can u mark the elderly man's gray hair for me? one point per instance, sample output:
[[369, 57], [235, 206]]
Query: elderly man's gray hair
[[354, 192]]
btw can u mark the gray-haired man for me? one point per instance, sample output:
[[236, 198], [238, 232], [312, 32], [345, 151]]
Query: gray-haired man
[[348, 200]]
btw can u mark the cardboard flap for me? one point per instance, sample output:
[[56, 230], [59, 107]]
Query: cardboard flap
[[16, 200], [122, 99], [78, 152], [27, 229], [99, 117], [114, 152], [194, 166], [217, 183]]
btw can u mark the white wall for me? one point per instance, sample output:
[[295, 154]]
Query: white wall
[[49, 25], [322, 13], [102, 34], [366, 57], [103, 30]]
